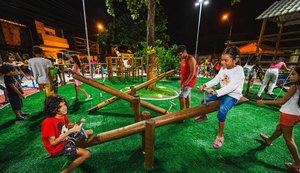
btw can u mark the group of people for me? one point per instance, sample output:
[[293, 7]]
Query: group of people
[[57, 131], [42, 71], [231, 79]]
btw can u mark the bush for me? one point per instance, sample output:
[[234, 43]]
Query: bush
[[166, 59]]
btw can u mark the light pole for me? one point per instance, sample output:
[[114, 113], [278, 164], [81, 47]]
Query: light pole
[[200, 3], [226, 17]]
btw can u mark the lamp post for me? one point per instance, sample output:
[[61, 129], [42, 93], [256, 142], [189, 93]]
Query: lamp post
[[226, 17], [200, 4]]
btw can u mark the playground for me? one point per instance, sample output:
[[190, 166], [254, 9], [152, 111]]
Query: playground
[[178, 147]]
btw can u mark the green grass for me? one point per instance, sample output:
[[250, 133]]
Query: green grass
[[179, 147]]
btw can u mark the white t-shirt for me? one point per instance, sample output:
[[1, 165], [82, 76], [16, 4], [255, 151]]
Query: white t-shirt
[[291, 106], [231, 81], [39, 66]]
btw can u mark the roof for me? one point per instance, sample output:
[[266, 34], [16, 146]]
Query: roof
[[286, 12]]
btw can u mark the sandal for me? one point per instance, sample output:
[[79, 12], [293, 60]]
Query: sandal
[[88, 99], [201, 118], [218, 142], [265, 138], [291, 166]]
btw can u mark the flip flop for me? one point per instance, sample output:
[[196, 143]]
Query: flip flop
[[218, 142], [291, 167], [201, 118], [265, 137]]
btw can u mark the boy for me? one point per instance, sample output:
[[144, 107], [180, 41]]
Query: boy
[[14, 90], [59, 135]]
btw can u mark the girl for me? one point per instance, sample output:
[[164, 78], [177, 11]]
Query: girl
[[231, 78], [272, 75], [56, 129], [289, 117], [76, 69]]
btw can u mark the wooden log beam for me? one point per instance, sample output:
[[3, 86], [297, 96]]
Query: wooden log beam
[[117, 93], [136, 88], [159, 121]]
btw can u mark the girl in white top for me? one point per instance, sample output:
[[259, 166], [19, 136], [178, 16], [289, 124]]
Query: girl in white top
[[289, 117], [231, 78]]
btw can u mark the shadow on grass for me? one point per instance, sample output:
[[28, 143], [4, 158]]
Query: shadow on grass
[[249, 158]]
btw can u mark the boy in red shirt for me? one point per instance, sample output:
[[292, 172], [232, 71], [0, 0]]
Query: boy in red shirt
[[56, 131]]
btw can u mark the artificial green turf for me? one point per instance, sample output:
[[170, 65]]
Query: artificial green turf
[[179, 147]]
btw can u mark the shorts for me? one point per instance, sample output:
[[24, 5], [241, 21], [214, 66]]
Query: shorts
[[186, 92], [69, 149], [15, 102], [288, 119], [48, 90]]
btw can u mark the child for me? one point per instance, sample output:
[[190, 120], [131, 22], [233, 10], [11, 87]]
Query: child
[[289, 117], [56, 131], [54, 71], [272, 75], [14, 90], [77, 69], [3, 88], [231, 78]]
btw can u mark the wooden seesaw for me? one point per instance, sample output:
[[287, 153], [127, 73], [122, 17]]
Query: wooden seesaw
[[122, 95], [147, 127], [132, 91]]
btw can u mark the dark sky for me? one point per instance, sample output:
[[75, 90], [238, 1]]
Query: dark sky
[[182, 18]]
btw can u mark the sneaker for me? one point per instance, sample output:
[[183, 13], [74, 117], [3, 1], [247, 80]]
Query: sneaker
[[25, 114], [88, 99], [20, 118], [201, 118]]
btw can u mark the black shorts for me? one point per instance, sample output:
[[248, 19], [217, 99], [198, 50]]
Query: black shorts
[[68, 150], [15, 102]]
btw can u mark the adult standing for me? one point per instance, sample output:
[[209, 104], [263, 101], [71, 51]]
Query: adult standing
[[188, 76], [40, 68]]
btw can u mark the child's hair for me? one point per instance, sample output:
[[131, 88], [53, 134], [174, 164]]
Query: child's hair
[[76, 60], [25, 56], [37, 50], [51, 105], [10, 54], [233, 51], [6, 68], [297, 70]]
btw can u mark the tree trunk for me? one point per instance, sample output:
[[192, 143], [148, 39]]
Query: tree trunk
[[151, 58]]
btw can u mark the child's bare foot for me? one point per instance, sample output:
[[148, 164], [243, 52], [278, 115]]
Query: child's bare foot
[[266, 139]]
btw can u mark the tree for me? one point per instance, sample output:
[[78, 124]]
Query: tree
[[134, 6]]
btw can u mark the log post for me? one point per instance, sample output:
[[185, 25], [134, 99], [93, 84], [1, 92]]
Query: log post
[[149, 143], [145, 116], [137, 108]]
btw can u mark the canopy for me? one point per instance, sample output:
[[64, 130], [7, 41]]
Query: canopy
[[250, 48]]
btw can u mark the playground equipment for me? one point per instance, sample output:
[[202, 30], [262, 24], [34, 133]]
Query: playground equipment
[[132, 91], [125, 67], [118, 93], [147, 126]]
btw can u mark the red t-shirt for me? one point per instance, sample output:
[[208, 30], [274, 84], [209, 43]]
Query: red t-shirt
[[54, 127], [185, 72]]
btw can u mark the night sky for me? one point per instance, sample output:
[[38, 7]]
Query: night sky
[[182, 18], [183, 21]]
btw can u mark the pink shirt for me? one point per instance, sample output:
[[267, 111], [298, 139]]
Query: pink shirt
[[278, 65]]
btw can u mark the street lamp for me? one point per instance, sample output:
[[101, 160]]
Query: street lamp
[[199, 3], [226, 17], [100, 27]]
